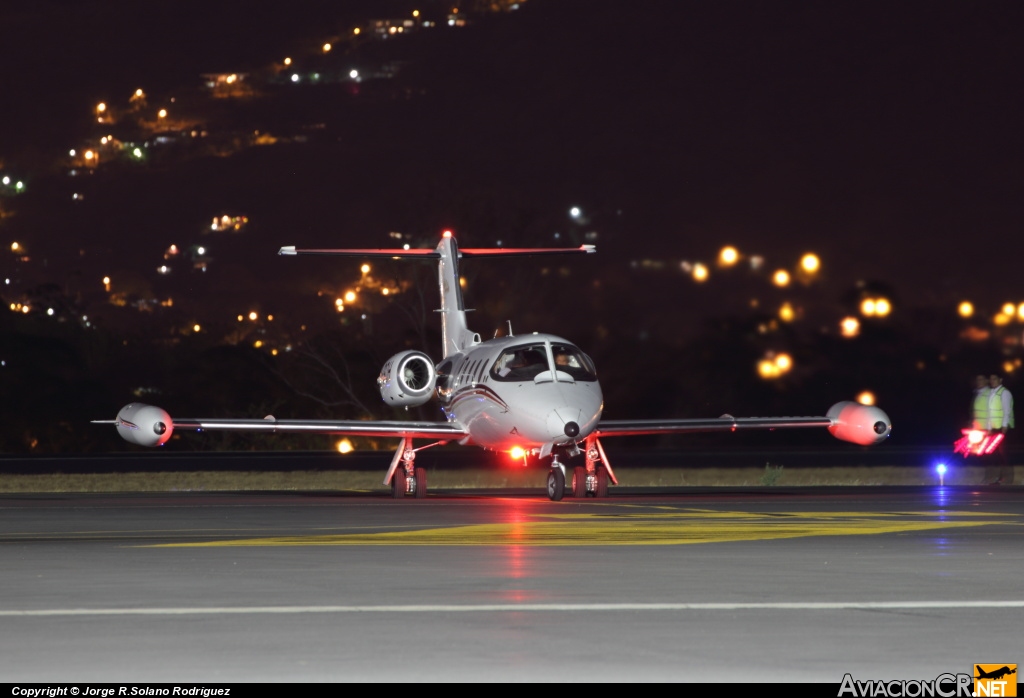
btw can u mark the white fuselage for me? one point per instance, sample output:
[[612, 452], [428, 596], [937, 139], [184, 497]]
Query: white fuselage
[[529, 407]]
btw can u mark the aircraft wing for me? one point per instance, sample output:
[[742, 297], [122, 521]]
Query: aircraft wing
[[396, 429], [147, 425], [848, 421], [637, 427]]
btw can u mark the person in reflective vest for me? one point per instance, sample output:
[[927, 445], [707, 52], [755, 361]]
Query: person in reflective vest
[[1000, 419], [979, 408]]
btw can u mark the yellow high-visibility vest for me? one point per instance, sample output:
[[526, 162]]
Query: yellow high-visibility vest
[[995, 413], [981, 409]]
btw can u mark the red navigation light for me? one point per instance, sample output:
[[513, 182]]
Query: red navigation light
[[446, 234], [516, 452]]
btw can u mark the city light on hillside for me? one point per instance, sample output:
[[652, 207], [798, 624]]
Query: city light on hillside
[[849, 326], [786, 312], [253, 315], [1002, 319], [773, 366], [196, 327], [781, 278], [287, 61], [1009, 309], [15, 246], [326, 48], [344, 446], [106, 284], [728, 256], [365, 268], [162, 114], [866, 398], [700, 272], [810, 263], [965, 309], [356, 31], [875, 307], [350, 296]]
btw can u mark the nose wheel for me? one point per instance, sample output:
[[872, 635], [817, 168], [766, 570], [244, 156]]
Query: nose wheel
[[556, 484]]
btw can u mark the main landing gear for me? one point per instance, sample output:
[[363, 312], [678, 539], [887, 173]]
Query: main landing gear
[[587, 481], [404, 477]]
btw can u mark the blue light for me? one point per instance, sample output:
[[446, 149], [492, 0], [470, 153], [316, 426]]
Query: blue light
[[940, 468]]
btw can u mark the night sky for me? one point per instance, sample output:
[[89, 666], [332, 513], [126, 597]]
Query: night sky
[[885, 136]]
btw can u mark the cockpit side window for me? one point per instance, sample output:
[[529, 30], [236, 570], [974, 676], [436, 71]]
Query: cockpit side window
[[571, 360], [444, 380], [520, 363]]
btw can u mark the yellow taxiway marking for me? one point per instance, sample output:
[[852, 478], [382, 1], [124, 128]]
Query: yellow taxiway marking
[[636, 528]]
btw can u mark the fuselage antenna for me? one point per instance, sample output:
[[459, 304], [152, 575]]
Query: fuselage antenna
[[510, 328]]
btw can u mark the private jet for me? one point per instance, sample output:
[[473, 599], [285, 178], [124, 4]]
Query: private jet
[[533, 396]]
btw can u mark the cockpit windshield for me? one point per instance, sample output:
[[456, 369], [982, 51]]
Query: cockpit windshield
[[521, 363], [524, 363], [569, 359]]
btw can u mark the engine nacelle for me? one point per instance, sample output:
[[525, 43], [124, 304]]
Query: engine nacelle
[[407, 379], [144, 425], [859, 424]]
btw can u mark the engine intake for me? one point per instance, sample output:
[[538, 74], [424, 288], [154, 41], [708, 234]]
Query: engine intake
[[407, 379], [144, 425], [859, 424]]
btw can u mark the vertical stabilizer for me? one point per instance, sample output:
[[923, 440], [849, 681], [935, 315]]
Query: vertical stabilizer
[[455, 335]]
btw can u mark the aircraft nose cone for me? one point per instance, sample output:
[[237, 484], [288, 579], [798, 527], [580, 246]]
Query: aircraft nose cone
[[572, 429]]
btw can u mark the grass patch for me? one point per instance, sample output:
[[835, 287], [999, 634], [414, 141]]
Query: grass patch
[[475, 478]]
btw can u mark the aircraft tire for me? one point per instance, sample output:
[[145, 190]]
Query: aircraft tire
[[398, 484], [556, 485], [421, 483], [579, 482], [602, 482]]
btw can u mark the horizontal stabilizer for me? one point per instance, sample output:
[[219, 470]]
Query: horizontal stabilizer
[[291, 250]]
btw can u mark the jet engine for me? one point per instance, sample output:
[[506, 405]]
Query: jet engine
[[407, 379], [144, 425], [859, 424]]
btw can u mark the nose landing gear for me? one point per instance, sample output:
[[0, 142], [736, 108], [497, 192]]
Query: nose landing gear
[[591, 480]]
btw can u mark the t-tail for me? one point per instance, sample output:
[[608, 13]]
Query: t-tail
[[455, 333]]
